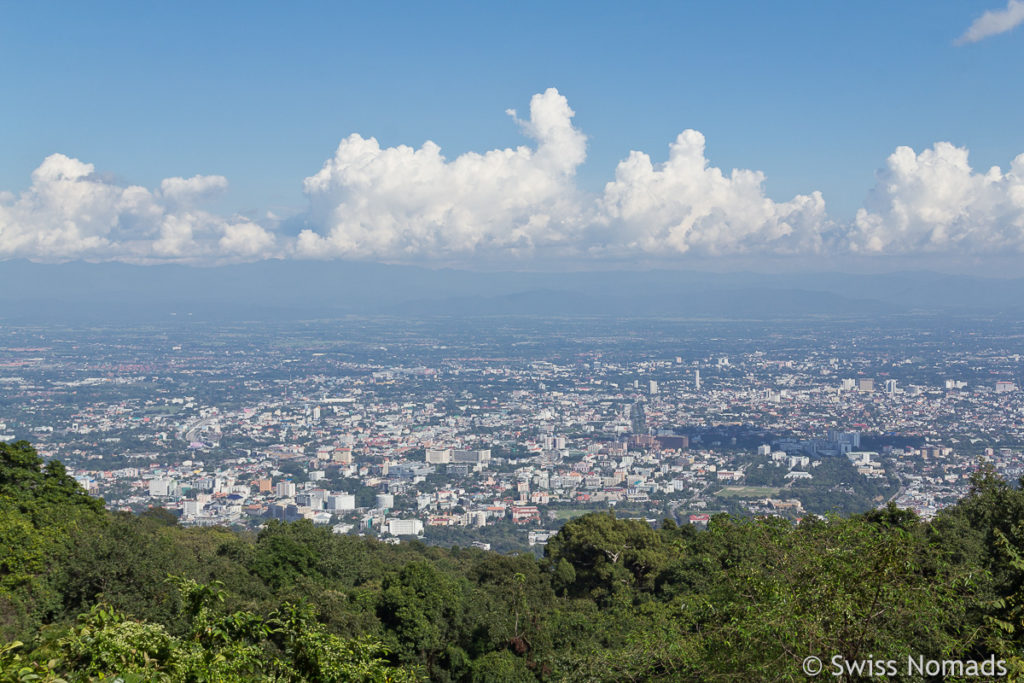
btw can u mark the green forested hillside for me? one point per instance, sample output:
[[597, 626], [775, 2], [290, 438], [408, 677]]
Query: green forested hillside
[[90, 595]]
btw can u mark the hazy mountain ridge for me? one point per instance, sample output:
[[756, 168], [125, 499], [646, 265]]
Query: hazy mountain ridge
[[303, 289]]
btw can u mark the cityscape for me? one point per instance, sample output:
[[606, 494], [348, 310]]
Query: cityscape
[[534, 342], [493, 432]]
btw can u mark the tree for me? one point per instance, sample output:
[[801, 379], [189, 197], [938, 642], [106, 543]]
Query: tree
[[421, 606], [607, 554]]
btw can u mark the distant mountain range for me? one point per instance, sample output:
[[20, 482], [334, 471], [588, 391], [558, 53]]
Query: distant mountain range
[[303, 289]]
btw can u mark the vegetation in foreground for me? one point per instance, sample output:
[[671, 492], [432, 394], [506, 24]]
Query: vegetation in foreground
[[86, 594]]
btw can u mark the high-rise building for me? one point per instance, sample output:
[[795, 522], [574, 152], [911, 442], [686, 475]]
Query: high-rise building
[[1004, 386], [890, 386], [472, 456], [341, 501], [696, 380], [866, 385], [405, 527], [159, 488], [439, 456], [190, 508], [844, 442], [652, 387]]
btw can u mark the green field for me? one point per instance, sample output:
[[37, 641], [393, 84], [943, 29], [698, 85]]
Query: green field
[[748, 492]]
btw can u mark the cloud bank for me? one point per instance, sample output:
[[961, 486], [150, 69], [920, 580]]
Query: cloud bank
[[521, 206], [933, 202], [993, 22], [686, 205], [399, 201], [70, 213]]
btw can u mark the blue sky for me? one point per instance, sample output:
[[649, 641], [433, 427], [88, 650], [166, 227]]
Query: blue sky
[[815, 95]]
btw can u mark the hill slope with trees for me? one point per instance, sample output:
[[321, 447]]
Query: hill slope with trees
[[86, 594]]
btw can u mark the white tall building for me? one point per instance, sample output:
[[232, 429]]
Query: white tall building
[[159, 488], [341, 501], [439, 456], [405, 527], [472, 456], [285, 489]]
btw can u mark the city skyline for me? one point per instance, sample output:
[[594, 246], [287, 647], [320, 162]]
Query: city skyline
[[498, 429]]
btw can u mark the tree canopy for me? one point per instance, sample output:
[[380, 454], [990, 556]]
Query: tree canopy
[[86, 594]]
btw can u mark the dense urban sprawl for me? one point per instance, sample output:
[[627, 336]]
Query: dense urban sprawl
[[493, 432]]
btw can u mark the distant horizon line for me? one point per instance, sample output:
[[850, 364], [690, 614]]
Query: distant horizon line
[[866, 266]]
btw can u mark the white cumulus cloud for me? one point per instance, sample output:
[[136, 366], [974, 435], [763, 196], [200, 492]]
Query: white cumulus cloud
[[69, 212], [994, 22], [687, 205], [404, 204], [520, 205], [400, 202], [933, 202], [190, 189]]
